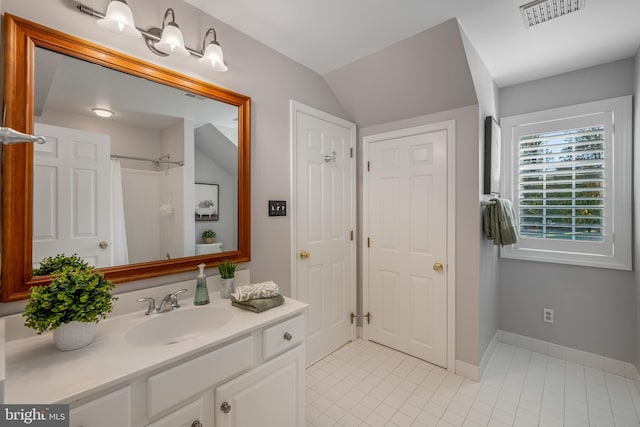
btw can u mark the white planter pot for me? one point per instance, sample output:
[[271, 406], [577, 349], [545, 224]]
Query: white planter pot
[[74, 335], [226, 287]]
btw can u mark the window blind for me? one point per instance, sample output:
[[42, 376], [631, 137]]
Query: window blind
[[562, 190]]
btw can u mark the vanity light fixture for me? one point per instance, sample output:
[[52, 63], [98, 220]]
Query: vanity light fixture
[[102, 112], [164, 41], [171, 42], [119, 19], [212, 56]]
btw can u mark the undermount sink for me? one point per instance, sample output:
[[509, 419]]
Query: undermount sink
[[177, 326]]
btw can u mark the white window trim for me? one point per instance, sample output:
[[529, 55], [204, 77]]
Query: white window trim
[[619, 256]]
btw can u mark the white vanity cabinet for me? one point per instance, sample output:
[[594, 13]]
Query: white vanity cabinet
[[258, 376], [113, 409], [270, 395]]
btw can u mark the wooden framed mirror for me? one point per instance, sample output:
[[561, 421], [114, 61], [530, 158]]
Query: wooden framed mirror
[[22, 40]]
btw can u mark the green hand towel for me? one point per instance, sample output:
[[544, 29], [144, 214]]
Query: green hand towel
[[258, 305], [500, 222]]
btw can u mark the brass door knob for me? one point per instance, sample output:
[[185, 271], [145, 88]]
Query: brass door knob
[[438, 266], [304, 255], [103, 244]]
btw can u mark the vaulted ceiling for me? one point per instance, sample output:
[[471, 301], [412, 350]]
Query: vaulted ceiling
[[330, 34]]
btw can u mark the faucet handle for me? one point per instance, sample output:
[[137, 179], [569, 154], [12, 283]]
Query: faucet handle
[[151, 308], [174, 299]]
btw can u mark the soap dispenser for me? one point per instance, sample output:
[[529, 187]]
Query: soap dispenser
[[202, 295]]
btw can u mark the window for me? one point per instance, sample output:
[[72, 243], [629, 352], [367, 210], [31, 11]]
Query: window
[[568, 173]]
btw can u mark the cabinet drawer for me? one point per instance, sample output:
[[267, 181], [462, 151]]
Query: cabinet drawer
[[113, 409], [282, 336], [183, 381], [185, 416]]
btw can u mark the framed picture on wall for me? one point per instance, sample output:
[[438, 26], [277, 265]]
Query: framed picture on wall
[[207, 200], [492, 135]]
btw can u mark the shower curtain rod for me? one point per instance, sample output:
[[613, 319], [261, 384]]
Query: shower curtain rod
[[154, 161]]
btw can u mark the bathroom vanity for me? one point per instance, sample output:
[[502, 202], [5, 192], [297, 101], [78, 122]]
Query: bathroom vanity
[[246, 370]]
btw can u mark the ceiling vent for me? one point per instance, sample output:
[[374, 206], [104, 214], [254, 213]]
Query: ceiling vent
[[539, 11]]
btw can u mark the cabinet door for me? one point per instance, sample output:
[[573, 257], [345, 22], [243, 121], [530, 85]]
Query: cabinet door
[[270, 395], [113, 409]]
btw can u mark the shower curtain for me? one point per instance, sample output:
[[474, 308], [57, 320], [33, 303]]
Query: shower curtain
[[119, 251]]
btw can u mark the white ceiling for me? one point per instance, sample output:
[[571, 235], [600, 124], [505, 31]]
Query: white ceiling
[[326, 35], [73, 86]]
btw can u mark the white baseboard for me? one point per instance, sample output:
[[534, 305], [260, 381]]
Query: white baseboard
[[473, 372], [488, 353], [607, 364], [467, 370], [613, 366]]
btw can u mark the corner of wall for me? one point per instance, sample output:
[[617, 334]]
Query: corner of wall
[[486, 93], [636, 208]]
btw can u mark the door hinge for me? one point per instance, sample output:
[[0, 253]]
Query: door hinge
[[368, 242], [355, 316], [352, 235], [351, 152], [368, 166]]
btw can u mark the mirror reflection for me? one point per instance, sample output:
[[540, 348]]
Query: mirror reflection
[[141, 185]]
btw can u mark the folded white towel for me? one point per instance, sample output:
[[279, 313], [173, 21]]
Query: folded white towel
[[258, 290]]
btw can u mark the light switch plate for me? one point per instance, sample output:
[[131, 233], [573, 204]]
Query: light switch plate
[[277, 208]]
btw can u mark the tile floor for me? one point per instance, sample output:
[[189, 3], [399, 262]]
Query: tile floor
[[366, 384]]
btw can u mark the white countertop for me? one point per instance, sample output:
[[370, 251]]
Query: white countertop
[[40, 374]]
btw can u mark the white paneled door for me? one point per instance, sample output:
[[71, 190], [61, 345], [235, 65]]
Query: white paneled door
[[324, 227], [71, 195], [407, 243]]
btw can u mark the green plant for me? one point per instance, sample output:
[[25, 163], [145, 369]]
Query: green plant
[[77, 293], [227, 269], [208, 234], [55, 264]]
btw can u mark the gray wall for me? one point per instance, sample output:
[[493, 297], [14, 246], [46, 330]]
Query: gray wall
[[636, 208], [271, 80], [421, 80], [423, 74], [467, 224], [590, 84], [488, 285], [595, 309]]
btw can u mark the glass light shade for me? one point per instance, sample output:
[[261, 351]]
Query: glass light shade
[[119, 19], [171, 42], [102, 112], [213, 58]]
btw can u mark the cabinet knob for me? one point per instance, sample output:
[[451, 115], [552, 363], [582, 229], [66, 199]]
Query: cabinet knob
[[196, 423], [287, 336], [225, 407]]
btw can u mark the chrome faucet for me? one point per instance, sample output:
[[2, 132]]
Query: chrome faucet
[[168, 303]]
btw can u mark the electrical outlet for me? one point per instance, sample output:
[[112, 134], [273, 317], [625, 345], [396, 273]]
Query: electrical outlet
[[547, 315]]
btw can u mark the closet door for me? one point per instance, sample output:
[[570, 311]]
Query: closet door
[[407, 239]]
